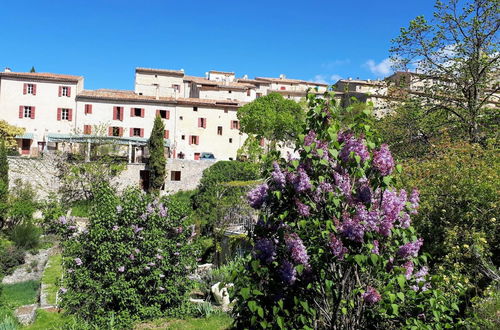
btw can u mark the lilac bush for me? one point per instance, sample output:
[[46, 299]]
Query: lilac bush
[[334, 246]]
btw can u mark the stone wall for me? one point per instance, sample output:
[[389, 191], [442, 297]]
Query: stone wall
[[42, 174]]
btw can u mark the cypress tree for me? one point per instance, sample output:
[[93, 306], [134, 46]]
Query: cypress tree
[[4, 183], [32, 69], [157, 159]]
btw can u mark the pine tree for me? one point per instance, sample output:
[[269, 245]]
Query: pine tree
[[32, 69], [4, 183], [157, 159]]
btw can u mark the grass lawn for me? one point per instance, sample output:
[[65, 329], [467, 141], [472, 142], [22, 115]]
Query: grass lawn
[[50, 277], [52, 320], [19, 294], [215, 322]]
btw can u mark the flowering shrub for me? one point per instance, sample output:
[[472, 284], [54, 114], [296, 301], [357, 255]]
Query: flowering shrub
[[132, 263], [334, 246]]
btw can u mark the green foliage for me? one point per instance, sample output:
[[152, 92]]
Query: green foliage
[[314, 263], [272, 117], [485, 310], [132, 263], [10, 257], [459, 186], [26, 235], [8, 133], [51, 277], [251, 150], [4, 184], [22, 203], [8, 323], [157, 161], [81, 208]]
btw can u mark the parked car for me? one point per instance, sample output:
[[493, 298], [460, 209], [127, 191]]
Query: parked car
[[207, 156]]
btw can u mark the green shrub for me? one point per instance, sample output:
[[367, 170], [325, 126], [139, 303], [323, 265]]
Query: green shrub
[[334, 246], [131, 264], [22, 202], [26, 235], [10, 257]]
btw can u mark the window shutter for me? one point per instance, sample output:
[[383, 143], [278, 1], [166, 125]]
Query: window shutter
[[231, 124], [122, 110], [197, 140], [205, 123], [70, 114], [142, 113], [25, 88], [60, 90], [32, 113], [142, 132], [110, 131], [34, 89], [90, 108], [69, 92], [120, 131], [21, 111], [199, 122], [166, 134], [59, 113], [131, 112], [131, 133], [114, 113], [168, 115], [190, 139]]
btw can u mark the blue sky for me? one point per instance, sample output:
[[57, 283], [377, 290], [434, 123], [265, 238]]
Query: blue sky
[[104, 40]]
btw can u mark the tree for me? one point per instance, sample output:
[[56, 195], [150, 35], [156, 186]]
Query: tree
[[4, 183], [8, 132], [458, 56], [272, 117], [157, 159], [32, 69]]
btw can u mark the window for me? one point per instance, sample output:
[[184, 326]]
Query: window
[[88, 109], [230, 140], [230, 92], [164, 114], [258, 95], [226, 111], [248, 92], [202, 122], [87, 129], [235, 124], [181, 118], [219, 130], [26, 112], [64, 114], [176, 87], [175, 175], [196, 156], [118, 113], [194, 139], [195, 108], [137, 132], [136, 112], [29, 89], [282, 88], [65, 91], [115, 131], [183, 137]]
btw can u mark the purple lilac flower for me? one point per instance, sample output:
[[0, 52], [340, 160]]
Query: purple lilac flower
[[176, 254], [115, 227], [121, 269], [364, 193], [383, 161], [149, 209], [323, 146], [302, 182], [369, 220], [422, 273], [352, 229], [371, 296], [143, 217], [404, 220], [131, 257], [151, 264], [71, 227], [179, 230], [414, 200], [78, 261], [338, 249], [63, 220], [119, 209], [302, 208], [288, 272], [390, 264], [326, 187], [137, 251], [265, 250], [356, 146], [161, 288], [63, 290], [147, 268], [256, 197], [344, 136], [343, 182], [278, 176], [310, 138], [159, 256], [385, 227], [393, 203], [375, 249], [297, 249], [424, 287], [163, 210], [136, 228], [408, 266], [410, 249], [70, 270]]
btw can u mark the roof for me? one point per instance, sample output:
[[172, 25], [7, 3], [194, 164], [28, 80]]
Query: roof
[[179, 73], [28, 136], [289, 81], [361, 82], [130, 96], [220, 84], [79, 138], [253, 81], [42, 76], [222, 72]]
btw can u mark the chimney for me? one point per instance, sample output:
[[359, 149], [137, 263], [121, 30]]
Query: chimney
[[282, 76], [206, 75], [350, 78], [245, 76], [7, 70]]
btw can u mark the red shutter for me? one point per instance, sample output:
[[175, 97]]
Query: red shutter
[[199, 122], [197, 140], [190, 139], [205, 123], [114, 113], [142, 113], [142, 132], [25, 88], [131, 131], [32, 113], [60, 90], [59, 113], [90, 108], [110, 131], [131, 112], [69, 92], [70, 114], [21, 111], [122, 110], [87, 129], [157, 113], [168, 115], [34, 89], [166, 134], [120, 131]]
